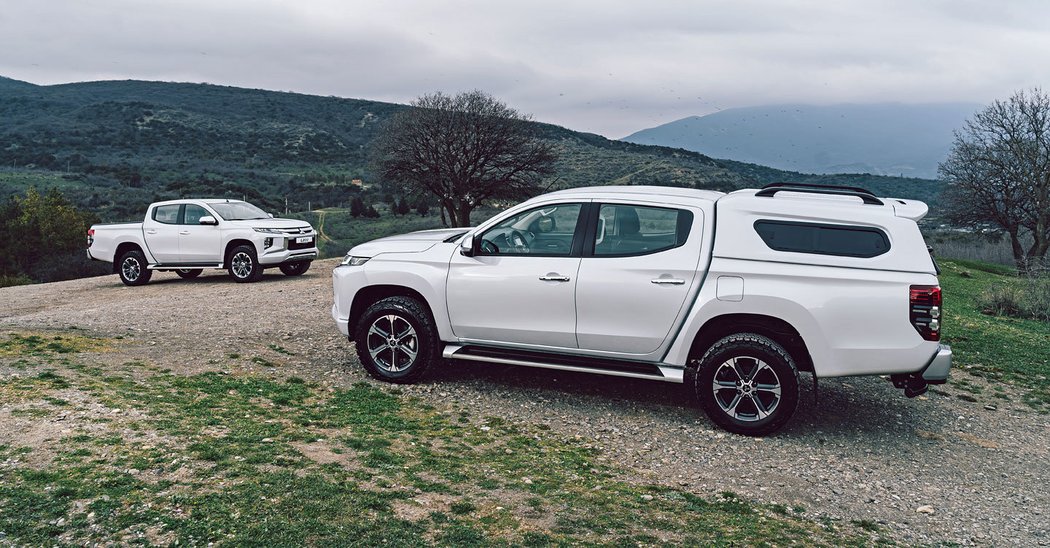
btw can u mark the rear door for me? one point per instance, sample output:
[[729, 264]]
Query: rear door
[[161, 230], [639, 267]]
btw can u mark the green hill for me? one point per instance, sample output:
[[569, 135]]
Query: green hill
[[113, 147]]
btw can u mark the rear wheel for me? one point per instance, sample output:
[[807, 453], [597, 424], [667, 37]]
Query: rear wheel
[[747, 384], [244, 264], [132, 268], [295, 269], [189, 273], [396, 340]]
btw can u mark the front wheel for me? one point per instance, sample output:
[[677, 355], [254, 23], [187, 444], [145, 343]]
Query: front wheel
[[396, 340], [747, 384], [189, 273], [295, 269], [132, 268], [244, 264]]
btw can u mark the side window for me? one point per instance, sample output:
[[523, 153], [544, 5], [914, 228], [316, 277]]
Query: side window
[[167, 214], [625, 230], [193, 214], [542, 231], [840, 240]]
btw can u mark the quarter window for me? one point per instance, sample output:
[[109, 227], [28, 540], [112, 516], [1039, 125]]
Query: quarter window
[[820, 239], [167, 214], [625, 230]]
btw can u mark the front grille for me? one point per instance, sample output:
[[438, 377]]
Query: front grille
[[297, 230], [293, 246]]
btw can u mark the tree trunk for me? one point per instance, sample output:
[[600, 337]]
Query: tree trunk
[[1037, 253], [1020, 260], [463, 215]]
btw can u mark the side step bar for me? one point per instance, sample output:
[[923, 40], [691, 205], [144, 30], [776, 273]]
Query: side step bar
[[161, 266], [580, 364]]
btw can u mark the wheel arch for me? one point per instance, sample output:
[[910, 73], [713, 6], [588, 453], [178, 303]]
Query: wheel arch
[[121, 250], [776, 329], [374, 293], [233, 244]]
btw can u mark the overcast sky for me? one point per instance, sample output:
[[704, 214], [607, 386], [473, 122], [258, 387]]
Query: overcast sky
[[609, 67]]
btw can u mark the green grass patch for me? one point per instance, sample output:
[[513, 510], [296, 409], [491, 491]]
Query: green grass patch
[[999, 348], [42, 344], [238, 460]]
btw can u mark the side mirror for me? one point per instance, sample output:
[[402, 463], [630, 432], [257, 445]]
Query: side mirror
[[271, 215], [208, 220], [469, 246]]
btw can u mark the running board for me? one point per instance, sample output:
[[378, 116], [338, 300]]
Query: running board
[[183, 266], [561, 362]]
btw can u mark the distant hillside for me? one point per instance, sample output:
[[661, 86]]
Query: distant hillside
[[882, 139], [115, 146]]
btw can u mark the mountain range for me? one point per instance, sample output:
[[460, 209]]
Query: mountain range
[[884, 139], [115, 146]]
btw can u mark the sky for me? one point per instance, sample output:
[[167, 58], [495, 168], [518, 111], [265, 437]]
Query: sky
[[610, 67]]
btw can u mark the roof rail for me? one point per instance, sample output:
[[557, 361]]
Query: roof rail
[[866, 195]]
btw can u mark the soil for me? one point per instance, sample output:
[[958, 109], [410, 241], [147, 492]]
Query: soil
[[938, 468]]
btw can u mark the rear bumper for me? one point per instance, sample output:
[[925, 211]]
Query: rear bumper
[[936, 372]]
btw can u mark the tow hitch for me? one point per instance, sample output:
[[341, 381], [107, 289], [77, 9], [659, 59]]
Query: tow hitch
[[913, 384]]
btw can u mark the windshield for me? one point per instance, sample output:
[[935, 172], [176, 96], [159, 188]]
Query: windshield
[[238, 211]]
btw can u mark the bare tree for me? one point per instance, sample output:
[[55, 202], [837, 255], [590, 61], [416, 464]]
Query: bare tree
[[998, 174], [464, 149]]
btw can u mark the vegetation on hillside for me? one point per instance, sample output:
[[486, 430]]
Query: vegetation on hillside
[[113, 147], [43, 240]]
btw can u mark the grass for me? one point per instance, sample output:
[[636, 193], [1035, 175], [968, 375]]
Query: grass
[[998, 348], [247, 459]]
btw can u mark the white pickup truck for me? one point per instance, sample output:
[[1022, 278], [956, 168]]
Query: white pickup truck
[[733, 294], [187, 236]]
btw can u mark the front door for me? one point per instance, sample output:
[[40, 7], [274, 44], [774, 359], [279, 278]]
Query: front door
[[519, 288], [635, 276], [199, 244]]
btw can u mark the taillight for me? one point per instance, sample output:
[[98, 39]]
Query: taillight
[[925, 306], [91, 237]]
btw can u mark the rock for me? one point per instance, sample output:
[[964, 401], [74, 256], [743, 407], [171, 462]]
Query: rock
[[990, 407], [647, 497], [925, 509]]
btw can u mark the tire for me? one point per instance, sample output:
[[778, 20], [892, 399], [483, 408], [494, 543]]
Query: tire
[[244, 264], [132, 268], [295, 269], [189, 273], [406, 323], [737, 380]]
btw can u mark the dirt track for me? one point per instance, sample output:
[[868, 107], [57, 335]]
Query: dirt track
[[863, 453]]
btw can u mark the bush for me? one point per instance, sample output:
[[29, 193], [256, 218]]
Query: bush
[[1029, 299]]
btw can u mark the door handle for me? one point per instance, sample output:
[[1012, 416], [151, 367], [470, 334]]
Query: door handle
[[668, 281], [554, 278], [151, 232], [184, 232]]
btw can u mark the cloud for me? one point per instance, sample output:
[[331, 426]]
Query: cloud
[[608, 67]]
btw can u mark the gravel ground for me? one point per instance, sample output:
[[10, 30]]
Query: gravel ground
[[934, 469]]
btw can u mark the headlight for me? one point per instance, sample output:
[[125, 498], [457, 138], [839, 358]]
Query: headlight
[[354, 261], [268, 230]]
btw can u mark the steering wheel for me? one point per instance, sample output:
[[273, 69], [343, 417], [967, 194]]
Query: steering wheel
[[488, 247], [518, 241]]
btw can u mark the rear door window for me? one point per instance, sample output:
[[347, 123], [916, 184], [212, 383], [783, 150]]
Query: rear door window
[[626, 230], [167, 214]]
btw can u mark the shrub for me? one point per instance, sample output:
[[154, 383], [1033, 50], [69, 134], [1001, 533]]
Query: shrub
[[1029, 299]]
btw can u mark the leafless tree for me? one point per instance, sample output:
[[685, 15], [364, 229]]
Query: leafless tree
[[998, 174], [464, 149]]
